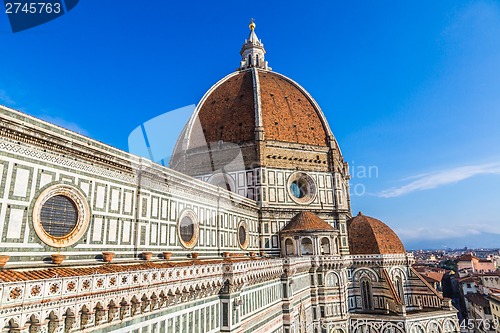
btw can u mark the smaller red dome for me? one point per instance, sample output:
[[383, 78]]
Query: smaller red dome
[[368, 235], [307, 221]]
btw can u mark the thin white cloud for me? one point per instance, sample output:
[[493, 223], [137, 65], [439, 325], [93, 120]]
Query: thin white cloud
[[432, 233], [64, 124], [439, 178], [5, 98], [429, 233]]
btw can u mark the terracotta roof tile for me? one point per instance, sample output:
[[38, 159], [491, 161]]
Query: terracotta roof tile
[[466, 257], [12, 275], [228, 113], [430, 279], [433, 275], [467, 279], [225, 125]]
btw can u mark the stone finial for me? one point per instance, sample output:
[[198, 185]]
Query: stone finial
[[252, 24]]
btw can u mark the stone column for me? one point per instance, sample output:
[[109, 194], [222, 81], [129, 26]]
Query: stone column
[[316, 249]]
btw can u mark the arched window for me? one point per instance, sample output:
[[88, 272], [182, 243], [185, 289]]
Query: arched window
[[289, 247], [332, 280], [325, 246], [400, 289], [366, 294], [257, 60], [249, 60], [306, 246]]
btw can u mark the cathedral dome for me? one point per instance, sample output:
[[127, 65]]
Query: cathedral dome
[[368, 235], [259, 100], [255, 117]]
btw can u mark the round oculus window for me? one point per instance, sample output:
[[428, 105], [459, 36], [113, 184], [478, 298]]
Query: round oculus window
[[302, 188], [61, 215], [188, 228], [243, 238]]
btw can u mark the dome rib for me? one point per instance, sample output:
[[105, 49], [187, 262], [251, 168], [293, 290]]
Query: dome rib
[[288, 113], [228, 112], [312, 101], [368, 235]]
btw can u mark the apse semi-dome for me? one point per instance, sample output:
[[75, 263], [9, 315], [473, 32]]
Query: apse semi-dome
[[307, 221], [368, 235]]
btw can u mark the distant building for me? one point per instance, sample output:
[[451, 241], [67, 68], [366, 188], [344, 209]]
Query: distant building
[[476, 291], [494, 300], [466, 285], [480, 312], [469, 263], [496, 259], [489, 283]]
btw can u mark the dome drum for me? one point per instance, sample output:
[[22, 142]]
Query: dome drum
[[308, 234]]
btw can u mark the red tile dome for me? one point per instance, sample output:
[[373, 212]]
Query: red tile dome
[[368, 235], [244, 107], [288, 113], [307, 221]]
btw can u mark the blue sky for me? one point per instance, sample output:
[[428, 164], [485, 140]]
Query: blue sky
[[411, 89]]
